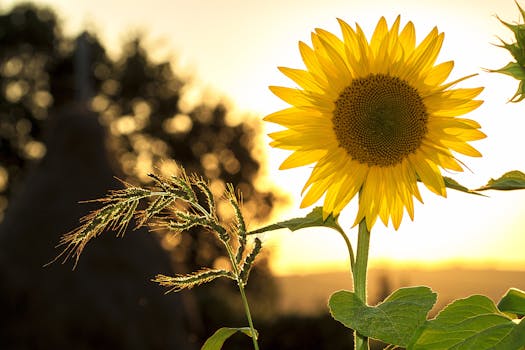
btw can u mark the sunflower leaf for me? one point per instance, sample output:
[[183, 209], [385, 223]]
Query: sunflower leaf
[[216, 341], [312, 219], [453, 184], [513, 301], [470, 323], [512, 180], [394, 321], [515, 339]]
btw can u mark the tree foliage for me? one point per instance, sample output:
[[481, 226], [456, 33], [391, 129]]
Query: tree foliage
[[137, 100]]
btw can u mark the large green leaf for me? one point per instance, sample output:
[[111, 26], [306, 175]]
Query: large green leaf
[[513, 301], [394, 321], [312, 219], [216, 341], [514, 340], [470, 323], [512, 180]]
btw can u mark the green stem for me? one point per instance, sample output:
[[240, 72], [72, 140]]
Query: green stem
[[248, 315], [349, 247], [359, 275], [240, 283]]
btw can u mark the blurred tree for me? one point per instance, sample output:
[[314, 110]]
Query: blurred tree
[[137, 101], [28, 41]]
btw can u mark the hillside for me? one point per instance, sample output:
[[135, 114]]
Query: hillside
[[308, 294]]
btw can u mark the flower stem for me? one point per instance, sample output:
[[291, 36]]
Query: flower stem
[[240, 284], [248, 315], [348, 247], [359, 276]]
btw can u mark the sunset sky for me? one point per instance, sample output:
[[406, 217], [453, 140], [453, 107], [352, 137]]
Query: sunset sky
[[231, 48]]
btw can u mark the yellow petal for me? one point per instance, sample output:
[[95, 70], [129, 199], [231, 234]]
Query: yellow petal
[[290, 139], [302, 158], [300, 98], [430, 176], [449, 163], [424, 57], [343, 76], [351, 179], [351, 186], [438, 74], [328, 165], [311, 63], [315, 192], [407, 37], [463, 148], [379, 33], [294, 116], [303, 78]]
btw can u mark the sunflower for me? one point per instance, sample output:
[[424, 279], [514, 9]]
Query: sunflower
[[375, 117]]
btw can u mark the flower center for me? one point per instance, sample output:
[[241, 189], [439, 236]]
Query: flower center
[[380, 120]]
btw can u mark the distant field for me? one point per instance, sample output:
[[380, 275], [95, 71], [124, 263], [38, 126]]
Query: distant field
[[308, 294]]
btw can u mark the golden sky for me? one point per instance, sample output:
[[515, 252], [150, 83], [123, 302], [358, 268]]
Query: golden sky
[[234, 46]]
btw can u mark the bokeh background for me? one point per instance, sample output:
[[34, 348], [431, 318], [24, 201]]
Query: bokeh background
[[93, 90]]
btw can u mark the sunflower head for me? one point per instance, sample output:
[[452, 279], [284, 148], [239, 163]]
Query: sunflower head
[[374, 117], [517, 50]]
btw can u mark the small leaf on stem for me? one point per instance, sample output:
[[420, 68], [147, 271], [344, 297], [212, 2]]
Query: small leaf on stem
[[512, 180], [453, 184], [513, 301], [312, 219], [216, 341]]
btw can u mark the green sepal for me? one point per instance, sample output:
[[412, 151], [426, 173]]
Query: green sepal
[[216, 341], [517, 50], [517, 29], [513, 69], [470, 323], [394, 321], [312, 219], [513, 302], [520, 93], [512, 180]]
